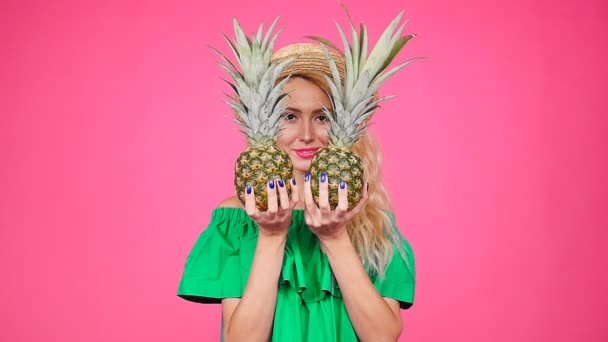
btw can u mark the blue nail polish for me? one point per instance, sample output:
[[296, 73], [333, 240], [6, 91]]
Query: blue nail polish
[[342, 184], [307, 177], [323, 177], [281, 184], [293, 180], [271, 184], [248, 189]]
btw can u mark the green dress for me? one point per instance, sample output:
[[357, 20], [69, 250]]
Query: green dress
[[309, 305]]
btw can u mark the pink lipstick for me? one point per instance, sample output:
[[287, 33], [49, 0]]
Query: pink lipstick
[[306, 153]]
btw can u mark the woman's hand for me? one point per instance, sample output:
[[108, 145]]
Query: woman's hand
[[329, 224], [277, 219]]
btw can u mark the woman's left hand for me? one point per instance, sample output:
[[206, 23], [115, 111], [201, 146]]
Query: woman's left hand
[[329, 224]]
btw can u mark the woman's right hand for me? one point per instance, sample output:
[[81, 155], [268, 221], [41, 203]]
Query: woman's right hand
[[277, 219]]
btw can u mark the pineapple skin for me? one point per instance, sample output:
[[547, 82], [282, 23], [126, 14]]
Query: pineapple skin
[[338, 164], [256, 166]]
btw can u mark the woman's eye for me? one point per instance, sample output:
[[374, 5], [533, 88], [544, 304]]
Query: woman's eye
[[288, 116], [323, 118]]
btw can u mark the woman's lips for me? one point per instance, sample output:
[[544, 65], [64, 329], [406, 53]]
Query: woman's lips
[[306, 153]]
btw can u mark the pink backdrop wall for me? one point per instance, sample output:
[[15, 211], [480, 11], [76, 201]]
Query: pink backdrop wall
[[111, 127]]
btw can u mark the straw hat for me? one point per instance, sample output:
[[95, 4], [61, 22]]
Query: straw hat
[[309, 57]]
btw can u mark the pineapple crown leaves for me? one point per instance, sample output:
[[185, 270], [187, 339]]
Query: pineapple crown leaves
[[354, 101], [258, 102]]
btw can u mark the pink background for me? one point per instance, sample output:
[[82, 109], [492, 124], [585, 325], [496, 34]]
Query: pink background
[[115, 146]]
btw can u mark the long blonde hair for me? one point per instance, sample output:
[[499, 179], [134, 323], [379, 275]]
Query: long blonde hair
[[371, 231]]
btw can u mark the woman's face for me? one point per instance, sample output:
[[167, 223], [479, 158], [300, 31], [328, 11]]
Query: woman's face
[[305, 127]]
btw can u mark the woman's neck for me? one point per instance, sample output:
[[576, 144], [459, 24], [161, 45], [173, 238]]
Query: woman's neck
[[299, 177]]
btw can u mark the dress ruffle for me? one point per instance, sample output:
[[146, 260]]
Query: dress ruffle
[[305, 267]]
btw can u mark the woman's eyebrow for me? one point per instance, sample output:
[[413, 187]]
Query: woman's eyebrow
[[293, 109], [297, 110]]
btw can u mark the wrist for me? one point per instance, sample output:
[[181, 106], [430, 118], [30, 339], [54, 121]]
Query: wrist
[[272, 236], [334, 240]]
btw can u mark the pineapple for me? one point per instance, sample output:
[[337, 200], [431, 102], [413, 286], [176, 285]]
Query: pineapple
[[258, 105], [353, 104]]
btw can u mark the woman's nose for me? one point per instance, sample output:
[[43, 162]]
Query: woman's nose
[[306, 132]]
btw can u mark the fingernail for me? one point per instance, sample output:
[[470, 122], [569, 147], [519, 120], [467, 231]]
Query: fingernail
[[293, 181], [342, 184], [366, 186], [323, 177], [307, 177], [248, 189], [281, 184], [271, 184]]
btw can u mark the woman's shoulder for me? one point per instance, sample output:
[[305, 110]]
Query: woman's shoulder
[[230, 218], [230, 202], [230, 211]]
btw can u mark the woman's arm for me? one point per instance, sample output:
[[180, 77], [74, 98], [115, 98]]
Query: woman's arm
[[250, 318], [374, 318]]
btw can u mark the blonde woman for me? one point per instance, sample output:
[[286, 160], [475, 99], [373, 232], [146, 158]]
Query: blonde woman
[[301, 271]]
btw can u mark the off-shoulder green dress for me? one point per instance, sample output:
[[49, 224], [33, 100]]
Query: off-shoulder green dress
[[309, 305]]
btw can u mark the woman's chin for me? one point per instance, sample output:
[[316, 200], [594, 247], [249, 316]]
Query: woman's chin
[[301, 166]]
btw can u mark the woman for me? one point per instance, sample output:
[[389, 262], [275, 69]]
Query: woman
[[302, 272]]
